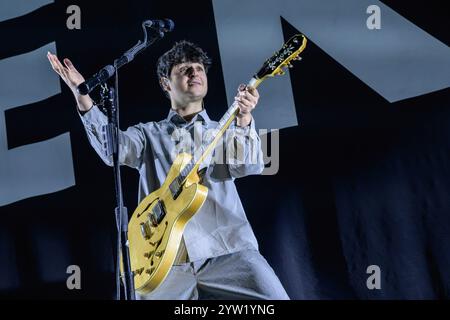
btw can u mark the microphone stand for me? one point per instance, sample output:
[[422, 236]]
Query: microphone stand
[[110, 104], [121, 213]]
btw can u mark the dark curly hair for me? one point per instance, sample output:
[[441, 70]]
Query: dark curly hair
[[182, 51]]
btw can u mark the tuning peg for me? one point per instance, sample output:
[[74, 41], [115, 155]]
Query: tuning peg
[[290, 65], [298, 58]]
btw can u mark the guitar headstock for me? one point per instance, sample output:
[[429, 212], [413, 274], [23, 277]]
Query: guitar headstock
[[282, 59]]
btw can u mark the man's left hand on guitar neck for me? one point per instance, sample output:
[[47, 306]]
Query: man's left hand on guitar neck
[[247, 98]]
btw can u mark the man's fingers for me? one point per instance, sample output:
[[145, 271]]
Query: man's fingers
[[68, 64], [56, 62], [242, 87], [249, 100], [62, 70], [56, 68], [59, 64], [253, 91], [244, 103], [249, 97], [244, 109], [52, 62], [248, 89]]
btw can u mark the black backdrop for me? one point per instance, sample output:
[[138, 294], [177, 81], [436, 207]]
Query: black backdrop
[[361, 181]]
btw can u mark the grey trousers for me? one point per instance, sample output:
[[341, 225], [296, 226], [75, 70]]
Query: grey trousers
[[241, 275]]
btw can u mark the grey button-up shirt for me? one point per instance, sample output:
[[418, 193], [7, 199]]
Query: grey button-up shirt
[[220, 226]]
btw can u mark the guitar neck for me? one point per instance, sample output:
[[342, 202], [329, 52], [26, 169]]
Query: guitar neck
[[224, 123], [272, 67], [206, 148]]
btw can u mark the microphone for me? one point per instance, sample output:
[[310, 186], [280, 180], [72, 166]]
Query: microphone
[[165, 25], [98, 78]]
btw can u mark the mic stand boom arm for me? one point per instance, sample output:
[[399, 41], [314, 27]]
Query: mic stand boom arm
[[139, 47], [108, 71]]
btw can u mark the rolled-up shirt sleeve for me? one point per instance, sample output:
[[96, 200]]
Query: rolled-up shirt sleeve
[[243, 151], [131, 142]]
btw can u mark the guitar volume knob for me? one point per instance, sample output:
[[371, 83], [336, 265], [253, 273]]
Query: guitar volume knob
[[148, 254], [159, 253]]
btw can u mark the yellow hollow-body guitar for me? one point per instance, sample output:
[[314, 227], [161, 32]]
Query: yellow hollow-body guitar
[[156, 227]]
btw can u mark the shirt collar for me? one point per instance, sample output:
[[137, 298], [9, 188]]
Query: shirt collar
[[175, 118]]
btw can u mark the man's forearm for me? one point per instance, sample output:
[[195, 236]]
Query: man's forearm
[[84, 103]]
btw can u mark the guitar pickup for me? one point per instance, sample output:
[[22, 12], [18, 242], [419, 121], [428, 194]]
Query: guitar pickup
[[146, 230], [158, 213]]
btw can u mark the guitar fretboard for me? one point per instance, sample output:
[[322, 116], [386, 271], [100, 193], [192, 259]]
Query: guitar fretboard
[[207, 145]]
